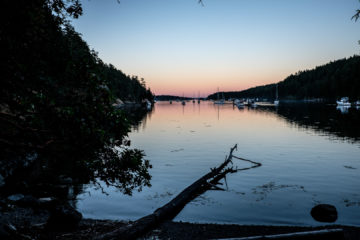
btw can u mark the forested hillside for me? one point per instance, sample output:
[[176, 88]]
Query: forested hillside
[[125, 87], [331, 81]]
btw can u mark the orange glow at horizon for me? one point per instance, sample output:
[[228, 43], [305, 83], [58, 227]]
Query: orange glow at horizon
[[227, 46], [188, 80], [192, 86]]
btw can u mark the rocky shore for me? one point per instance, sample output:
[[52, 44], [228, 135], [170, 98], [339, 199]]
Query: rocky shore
[[47, 211], [27, 223], [40, 217]]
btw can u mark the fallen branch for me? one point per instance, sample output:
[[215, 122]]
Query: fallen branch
[[214, 187], [256, 164], [324, 234], [171, 209]]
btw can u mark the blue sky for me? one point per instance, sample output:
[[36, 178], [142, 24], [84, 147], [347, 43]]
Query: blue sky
[[179, 46]]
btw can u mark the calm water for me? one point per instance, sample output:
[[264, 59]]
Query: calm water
[[310, 155]]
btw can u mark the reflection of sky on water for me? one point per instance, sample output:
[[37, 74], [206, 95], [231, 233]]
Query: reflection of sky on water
[[303, 164], [343, 109]]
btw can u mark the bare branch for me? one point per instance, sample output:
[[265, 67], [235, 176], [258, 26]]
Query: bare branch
[[356, 16]]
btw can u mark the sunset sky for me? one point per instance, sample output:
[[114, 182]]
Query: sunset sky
[[180, 47]]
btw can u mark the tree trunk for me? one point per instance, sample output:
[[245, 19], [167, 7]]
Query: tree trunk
[[171, 209]]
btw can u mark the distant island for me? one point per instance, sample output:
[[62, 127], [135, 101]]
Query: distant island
[[327, 82]]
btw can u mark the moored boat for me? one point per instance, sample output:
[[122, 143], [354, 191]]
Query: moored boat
[[276, 102], [344, 101], [148, 104], [219, 101], [238, 103]]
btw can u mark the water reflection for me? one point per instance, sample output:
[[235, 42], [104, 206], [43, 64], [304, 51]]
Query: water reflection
[[184, 142], [41, 174], [343, 109], [340, 122]]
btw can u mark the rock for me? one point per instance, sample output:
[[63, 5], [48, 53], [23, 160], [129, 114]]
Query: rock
[[15, 197], [64, 218], [46, 200], [324, 213]]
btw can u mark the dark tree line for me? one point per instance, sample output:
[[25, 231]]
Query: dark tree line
[[172, 98], [330, 81], [125, 87], [56, 96]]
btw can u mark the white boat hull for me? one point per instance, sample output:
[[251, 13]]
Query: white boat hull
[[339, 103]]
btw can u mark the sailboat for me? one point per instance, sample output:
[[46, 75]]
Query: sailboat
[[183, 101], [276, 102], [220, 101]]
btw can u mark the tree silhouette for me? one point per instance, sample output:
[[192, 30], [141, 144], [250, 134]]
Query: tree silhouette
[[56, 97], [356, 15], [330, 81]]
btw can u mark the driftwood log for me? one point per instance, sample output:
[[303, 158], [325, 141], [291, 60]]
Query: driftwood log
[[324, 234], [171, 209]]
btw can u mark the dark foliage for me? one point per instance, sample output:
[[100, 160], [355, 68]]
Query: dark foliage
[[331, 81], [125, 87], [56, 97]]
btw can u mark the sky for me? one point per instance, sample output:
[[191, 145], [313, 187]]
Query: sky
[[183, 48]]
